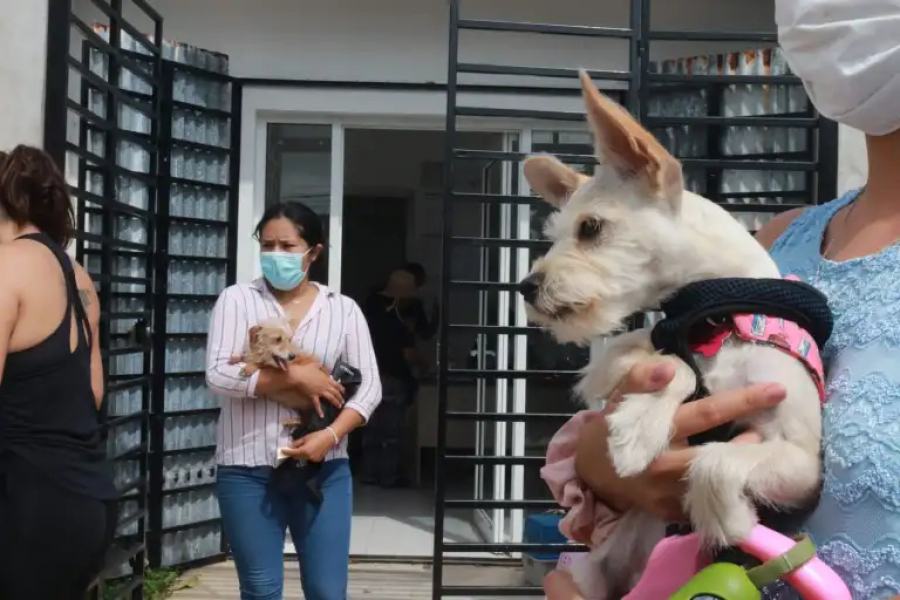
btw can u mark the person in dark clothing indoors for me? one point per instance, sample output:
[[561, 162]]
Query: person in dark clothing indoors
[[397, 319], [57, 496], [412, 308]]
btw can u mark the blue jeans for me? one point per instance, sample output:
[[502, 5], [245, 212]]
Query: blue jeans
[[255, 518]]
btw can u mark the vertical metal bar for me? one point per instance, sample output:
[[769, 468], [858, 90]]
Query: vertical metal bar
[[82, 171], [643, 44], [635, 62], [107, 218], [641, 13], [56, 90], [234, 176], [160, 285], [813, 153], [827, 182], [440, 483], [151, 464], [520, 344], [713, 141]]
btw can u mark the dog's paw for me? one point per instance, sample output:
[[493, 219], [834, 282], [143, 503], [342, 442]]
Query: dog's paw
[[720, 511], [638, 434], [721, 527]]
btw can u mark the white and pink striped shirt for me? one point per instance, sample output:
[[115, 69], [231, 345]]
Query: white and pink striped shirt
[[250, 428]]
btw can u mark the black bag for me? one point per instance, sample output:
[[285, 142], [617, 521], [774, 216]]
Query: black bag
[[292, 471]]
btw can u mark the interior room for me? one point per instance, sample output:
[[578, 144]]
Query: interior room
[[392, 215]]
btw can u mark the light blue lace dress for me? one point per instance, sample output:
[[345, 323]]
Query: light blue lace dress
[[857, 523]]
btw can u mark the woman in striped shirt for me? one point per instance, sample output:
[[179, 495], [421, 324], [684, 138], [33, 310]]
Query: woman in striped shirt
[[255, 515]]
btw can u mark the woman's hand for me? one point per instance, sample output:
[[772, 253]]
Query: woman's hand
[[312, 447], [659, 489], [316, 385], [558, 585]]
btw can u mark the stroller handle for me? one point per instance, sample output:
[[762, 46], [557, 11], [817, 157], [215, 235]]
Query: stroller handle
[[814, 580]]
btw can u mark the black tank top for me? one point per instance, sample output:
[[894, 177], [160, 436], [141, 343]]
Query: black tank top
[[48, 417]]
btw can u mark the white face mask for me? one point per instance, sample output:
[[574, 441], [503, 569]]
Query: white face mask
[[847, 52]]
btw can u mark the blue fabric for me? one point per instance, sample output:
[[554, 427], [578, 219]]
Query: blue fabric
[[255, 518], [857, 523]]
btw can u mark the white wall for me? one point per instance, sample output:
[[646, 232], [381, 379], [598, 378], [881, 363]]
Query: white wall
[[406, 40], [23, 46]]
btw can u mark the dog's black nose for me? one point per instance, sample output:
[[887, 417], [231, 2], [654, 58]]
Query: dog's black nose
[[291, 356], [530, 286]]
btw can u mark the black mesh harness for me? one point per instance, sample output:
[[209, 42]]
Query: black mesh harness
[[698, 309]]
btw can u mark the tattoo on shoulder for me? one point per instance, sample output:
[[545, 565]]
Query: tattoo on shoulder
[[85, 296]]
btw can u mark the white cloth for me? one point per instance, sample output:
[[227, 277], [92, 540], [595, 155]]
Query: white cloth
[[847, 52]]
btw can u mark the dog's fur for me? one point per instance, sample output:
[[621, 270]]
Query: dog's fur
[[270, 345], [624, 240]]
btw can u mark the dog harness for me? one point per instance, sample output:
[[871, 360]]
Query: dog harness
[[786, 314]]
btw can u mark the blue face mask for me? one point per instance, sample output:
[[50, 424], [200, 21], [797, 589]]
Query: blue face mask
[[283, 270]]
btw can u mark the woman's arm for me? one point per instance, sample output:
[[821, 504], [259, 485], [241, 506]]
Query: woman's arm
[[358, 352], [228, 329], [91, 304], [9, 304]]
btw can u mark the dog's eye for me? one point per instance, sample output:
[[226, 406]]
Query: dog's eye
[[589, 229]]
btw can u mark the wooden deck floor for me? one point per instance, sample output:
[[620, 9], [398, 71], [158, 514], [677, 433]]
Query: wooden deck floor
[[368, 581]]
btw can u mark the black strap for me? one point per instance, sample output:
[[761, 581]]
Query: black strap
[[74, 300], [697, 304]]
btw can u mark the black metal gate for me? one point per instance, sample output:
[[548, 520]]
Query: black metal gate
[[102, 126], [160, 243], [728, 160]]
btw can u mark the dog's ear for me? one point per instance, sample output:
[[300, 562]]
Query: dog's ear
[[632, 150], [254, 333], [552, 180]]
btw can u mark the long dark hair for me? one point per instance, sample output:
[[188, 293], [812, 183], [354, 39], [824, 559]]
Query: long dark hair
[[308, 223], [33, 190]]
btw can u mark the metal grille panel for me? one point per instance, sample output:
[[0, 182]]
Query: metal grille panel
[[748, 138], [102, 125], [160, 244]]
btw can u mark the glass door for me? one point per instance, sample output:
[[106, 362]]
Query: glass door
[[494, 352], [304, 163]]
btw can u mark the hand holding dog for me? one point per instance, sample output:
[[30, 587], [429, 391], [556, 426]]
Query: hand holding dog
[[660, 488], [312, 447], [559, 585], [312, 382]]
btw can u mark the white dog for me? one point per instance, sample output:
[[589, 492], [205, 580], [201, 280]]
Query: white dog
[[623, 241]]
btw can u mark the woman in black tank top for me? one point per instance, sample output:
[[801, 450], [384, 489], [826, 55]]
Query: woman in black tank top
[[57, 510]]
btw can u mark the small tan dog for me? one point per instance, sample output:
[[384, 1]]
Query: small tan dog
[[624, 240], [270, 345]]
